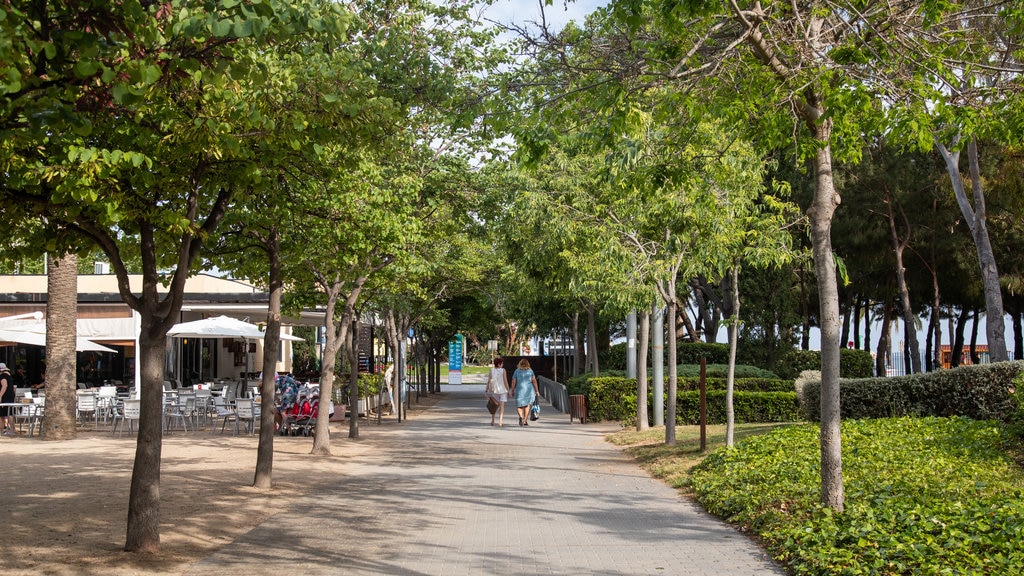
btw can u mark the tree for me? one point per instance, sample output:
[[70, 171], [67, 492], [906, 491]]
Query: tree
[[160, 108], [59, 419]]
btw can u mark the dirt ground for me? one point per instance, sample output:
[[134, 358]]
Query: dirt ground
[[64, 505]]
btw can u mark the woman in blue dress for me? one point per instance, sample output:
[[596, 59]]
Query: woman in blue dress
[[525, 390]]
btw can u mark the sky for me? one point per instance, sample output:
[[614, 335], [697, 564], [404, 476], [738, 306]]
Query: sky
[[528, 12]]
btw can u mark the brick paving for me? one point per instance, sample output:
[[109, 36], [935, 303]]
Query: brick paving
[[447, 494]]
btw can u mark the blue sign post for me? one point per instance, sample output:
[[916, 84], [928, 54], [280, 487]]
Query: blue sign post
[[455, 360]]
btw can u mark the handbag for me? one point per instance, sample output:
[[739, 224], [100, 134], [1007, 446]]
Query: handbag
[[492, 405], [535, 410]]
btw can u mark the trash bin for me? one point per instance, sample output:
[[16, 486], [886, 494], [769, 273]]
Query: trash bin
[[578, 408]]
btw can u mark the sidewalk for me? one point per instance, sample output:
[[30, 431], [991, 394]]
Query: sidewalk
[[448, 494]]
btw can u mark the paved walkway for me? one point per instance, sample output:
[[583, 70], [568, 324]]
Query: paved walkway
[[451, 495]]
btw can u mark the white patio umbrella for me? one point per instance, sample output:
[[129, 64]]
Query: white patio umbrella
[[38, 339], [222, 327]]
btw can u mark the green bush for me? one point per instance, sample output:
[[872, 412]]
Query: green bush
[[739, 384], [612, 398], [747, 407], [722, 371], [983, 392], [692, 352], [852, 363], [614, 358], [923, 496]]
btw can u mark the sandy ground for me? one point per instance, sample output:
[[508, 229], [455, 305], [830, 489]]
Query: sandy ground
[[64, 504]]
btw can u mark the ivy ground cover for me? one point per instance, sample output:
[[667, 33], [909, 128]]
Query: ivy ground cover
[[923, 496]]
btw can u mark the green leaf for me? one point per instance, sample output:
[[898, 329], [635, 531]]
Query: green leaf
[[86, 68], [243, 28], [222, 28], [150, 74]]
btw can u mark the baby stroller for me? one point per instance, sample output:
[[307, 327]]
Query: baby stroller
[[301, 417]]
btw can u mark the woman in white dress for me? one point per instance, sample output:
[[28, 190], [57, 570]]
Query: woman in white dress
[[497, 388]]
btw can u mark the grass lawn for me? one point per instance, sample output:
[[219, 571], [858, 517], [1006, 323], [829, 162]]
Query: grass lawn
[[466, 369], [673, 463]]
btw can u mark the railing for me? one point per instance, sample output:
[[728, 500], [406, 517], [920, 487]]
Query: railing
[[554, 393]]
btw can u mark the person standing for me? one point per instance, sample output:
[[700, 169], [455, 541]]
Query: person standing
[[525, 390], [497, 388], [7, 395]]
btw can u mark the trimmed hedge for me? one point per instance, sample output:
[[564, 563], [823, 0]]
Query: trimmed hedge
[[614, 398], [722, 371], [852, 363], [747, 407], [739, 384], [982, 392]]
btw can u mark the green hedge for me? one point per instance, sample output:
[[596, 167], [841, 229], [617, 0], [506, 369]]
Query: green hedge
[[852, 363], [739, 384], [614, 398], [722, 371], [982, 392], [747, 407]]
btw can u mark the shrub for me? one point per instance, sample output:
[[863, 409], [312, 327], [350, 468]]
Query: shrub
[[747, 407], [739, 384], [982, 392], [612, 398], [924, 496], [614, 358], [852, 363], [692, 352], [722, 371]]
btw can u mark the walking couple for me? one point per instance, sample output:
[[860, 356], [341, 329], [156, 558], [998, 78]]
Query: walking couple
[[524, 390]]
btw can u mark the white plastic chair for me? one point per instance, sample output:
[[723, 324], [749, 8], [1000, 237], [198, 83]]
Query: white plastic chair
[[106, 398], [179, 410], [222, 410], [86, 406], [244, 412], [129, 412]]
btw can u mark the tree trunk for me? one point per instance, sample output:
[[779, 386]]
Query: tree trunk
[[734, 332], [867, 325], [975, 357], [641, 370], [846, 309], [898, 246], [884, 341], [956, 352], [59, 422], [263, 477], [352, 349], [673, 370], [592, 340], [805, 306], [856, 323], [143, 532], [976, 217], [335, 334], [577, 348], [826, 199], [935, 323]]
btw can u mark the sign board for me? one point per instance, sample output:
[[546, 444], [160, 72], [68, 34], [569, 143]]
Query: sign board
[[455, 360]]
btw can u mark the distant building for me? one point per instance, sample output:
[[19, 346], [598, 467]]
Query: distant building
[[105, 319]]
